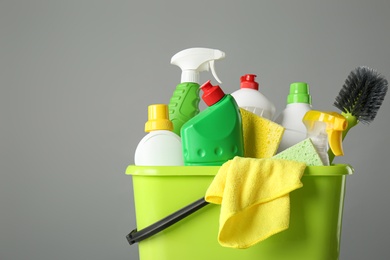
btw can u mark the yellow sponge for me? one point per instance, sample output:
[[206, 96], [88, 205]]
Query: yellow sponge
[[261, 136]]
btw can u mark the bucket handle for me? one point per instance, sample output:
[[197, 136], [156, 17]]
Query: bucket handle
[[136, 236]]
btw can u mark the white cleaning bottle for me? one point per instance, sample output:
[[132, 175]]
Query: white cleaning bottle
[[298, 103], [161, 147], [250, 98]]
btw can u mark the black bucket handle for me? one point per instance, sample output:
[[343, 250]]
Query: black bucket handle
[[136, 236]]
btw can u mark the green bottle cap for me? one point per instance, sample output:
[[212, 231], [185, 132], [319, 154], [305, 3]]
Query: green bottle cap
[[299, 93]]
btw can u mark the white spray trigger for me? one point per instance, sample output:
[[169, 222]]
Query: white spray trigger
[[212, 68], [195, 60]]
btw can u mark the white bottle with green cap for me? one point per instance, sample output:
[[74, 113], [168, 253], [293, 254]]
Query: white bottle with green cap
[[161, 146], [298, 104]]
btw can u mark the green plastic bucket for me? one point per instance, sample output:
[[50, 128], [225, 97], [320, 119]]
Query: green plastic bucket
[[315, 216]]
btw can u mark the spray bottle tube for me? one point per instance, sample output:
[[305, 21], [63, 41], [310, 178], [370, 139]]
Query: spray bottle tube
[[184, 102], [325, 129]]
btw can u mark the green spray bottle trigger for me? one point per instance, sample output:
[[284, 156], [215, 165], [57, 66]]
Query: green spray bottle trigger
[[184, 102]]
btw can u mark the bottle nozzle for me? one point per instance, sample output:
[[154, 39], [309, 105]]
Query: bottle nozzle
[[248, 81], [211, 94]]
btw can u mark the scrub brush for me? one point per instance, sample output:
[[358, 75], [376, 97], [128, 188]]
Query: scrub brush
[[360, 98]]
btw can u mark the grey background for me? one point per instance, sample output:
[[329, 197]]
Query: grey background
[[76, 78]]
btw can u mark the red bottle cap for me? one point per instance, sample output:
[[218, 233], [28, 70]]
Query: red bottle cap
[[211, 94], [248, 81]]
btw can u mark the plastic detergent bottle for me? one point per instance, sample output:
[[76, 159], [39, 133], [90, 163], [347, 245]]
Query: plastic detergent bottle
[[214, 136], [184, 102], [298, 103], [325, 129], [250, 98], [161, 146]]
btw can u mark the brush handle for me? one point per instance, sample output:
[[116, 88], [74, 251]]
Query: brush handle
[[352, 121]]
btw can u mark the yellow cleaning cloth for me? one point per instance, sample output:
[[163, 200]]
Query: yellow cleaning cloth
[[254, 198], [261, 136]]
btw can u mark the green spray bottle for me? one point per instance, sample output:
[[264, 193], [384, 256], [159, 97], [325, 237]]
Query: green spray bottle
[[184, 103], [215, 135]]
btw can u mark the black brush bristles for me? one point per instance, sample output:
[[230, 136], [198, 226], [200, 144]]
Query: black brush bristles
[[362, 94]]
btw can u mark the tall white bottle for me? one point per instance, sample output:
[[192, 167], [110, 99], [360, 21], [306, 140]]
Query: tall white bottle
[[250, 98], [298, 104], [161, 147]]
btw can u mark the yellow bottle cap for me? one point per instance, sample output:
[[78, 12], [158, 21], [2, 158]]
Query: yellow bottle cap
[[335, 125], [158, 118]]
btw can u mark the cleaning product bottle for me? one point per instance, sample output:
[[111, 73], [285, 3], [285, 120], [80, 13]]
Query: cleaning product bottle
[[161, 147], [324, 128], [250, 98], [184, 102], [298, 103], [214, 136]]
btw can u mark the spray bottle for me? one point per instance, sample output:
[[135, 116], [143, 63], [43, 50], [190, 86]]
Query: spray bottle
[[250, 98], [184, 102], [214, 136], [325, 129], [161, 146]]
